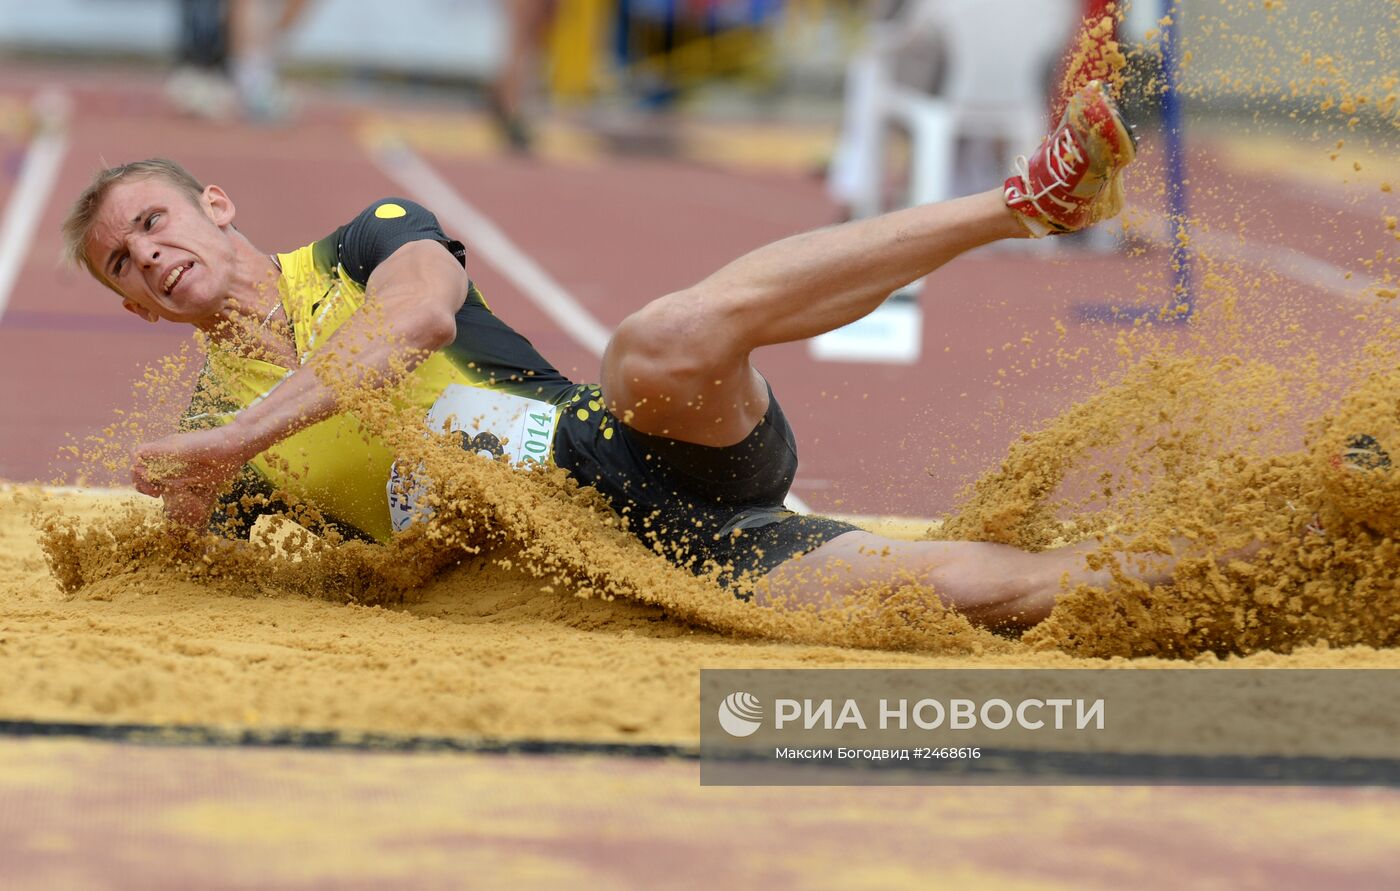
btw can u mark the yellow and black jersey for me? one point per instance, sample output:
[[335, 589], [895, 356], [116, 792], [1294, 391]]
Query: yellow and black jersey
[[337, 465]]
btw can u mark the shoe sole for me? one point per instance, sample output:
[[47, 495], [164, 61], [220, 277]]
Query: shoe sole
[[1122, 130], [1122, 134]]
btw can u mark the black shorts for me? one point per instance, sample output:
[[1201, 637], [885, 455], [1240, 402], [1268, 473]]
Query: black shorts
[[707, 509]]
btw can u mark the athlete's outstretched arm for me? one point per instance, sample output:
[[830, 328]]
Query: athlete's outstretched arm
[[411, 301]]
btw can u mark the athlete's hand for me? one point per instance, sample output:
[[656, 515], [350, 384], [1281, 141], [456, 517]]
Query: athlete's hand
[[187, 470]]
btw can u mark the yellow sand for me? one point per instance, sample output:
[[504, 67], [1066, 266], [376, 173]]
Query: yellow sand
[[480, 650]]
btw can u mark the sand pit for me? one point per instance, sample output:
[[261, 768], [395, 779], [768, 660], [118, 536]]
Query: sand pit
[[479, 651]]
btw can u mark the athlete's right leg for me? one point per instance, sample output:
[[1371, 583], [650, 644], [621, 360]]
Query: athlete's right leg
[[680, 367], [992, 584]]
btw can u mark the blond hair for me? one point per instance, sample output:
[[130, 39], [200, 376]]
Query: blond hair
[[78, 224]]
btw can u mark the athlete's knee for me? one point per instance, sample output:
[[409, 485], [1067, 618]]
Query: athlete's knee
[[670, 344]]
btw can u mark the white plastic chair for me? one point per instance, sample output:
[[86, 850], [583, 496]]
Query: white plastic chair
[[997, 55]]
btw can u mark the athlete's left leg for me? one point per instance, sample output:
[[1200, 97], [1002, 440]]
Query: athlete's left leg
[[992, 584]]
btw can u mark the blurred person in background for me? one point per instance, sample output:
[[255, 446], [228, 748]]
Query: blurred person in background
[[200, 85], [227, 58], [945, 62], [528, 23], [258, 30]]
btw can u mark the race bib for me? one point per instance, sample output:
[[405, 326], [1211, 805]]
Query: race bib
[[488, 422]]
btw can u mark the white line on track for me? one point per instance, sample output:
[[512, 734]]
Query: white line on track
[[404, 166], [32, 187]]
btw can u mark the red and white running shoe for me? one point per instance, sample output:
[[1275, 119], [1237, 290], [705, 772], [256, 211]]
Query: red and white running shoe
[[1074, 179]]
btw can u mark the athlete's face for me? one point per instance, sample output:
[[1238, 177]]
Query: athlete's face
[[169, 257]]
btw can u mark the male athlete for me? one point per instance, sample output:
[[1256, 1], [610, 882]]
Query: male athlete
[[682, 435]]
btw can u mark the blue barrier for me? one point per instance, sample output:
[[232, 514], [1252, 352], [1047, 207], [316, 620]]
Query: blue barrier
[[1181, 302]]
